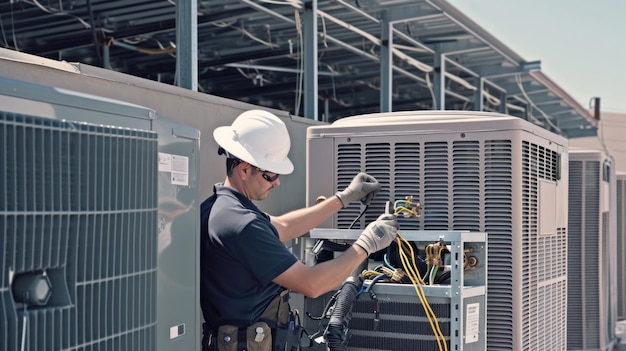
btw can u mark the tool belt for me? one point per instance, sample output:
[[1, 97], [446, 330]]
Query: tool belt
[[278, 329]]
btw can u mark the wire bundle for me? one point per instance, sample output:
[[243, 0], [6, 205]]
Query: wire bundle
[[407, 208], [408, 262], [410, 267], [434, 260]]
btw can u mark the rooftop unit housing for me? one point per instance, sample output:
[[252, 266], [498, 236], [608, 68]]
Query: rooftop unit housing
[[470, 171], [98, 224]]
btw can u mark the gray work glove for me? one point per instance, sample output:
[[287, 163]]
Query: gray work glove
[[379, 234], [363, 187]]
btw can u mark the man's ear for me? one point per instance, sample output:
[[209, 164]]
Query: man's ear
[[245, 169]]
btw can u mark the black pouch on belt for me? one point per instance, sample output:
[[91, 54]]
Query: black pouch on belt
[[289, 337]]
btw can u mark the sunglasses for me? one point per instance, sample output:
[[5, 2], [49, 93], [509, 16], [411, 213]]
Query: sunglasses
[[267, 176]]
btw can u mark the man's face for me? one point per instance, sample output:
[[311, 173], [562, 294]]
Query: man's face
[[261, 183]]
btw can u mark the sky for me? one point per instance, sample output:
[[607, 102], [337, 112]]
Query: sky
[[581, 44]]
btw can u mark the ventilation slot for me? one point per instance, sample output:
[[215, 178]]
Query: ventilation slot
[[378, 164], [436, 181], [407, 182]]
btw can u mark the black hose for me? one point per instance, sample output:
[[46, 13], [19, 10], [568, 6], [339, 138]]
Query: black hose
[[337, 332]]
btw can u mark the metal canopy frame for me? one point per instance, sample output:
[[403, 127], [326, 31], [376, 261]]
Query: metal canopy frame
[[322, 59]]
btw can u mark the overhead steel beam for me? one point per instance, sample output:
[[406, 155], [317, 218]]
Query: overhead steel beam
[[338, 42], [412, 13], [461, 47], [310, 60], [494, 72], [386, 63], [278, 69], [439, 82], [187, 44]]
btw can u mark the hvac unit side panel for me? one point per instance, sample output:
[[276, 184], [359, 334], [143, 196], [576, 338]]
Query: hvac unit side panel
[[177, 289], [319, 151], [591, 320], [621, 245], [609, 221], [482, 180], [538, 165], [78, 215]]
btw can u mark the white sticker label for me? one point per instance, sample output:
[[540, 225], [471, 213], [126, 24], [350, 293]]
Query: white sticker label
[[177, 165], [177, 330], [180, 164], [180, 178], [472, 322], [165, 162]]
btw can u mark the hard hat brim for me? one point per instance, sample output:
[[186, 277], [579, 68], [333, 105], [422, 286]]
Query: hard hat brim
[[225, 137]]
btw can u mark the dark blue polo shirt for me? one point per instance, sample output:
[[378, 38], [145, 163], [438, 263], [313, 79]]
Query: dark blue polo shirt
[[240, 255]]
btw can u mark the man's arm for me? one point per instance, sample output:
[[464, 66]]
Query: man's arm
[[296, 223], [313, 281]]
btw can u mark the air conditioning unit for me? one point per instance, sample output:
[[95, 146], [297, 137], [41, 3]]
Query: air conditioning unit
[[98, 224], [621, 245], [471, 171], [591, 251]]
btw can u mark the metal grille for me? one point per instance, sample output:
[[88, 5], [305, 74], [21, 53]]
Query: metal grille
[[403, 326], [78, 207]]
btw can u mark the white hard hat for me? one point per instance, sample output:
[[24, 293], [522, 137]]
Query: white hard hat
[[259, 138]]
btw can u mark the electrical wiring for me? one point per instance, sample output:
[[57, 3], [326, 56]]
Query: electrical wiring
[[518, 80], [411, 271], [335, 333], [359, 216], [407, 208], [4, 35], [434, 253], [295, 3], [57, 12], [410, 267], [243, 31]]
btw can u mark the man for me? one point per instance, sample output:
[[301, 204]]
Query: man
[[245, 266]]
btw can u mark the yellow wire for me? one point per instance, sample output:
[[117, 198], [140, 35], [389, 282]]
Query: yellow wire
[[417, 285]]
